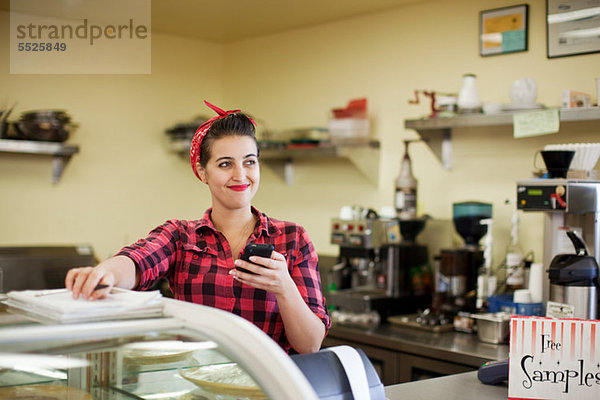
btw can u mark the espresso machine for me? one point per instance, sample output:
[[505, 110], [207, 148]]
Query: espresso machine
[[457, 269], [381, 270], [568, 205]]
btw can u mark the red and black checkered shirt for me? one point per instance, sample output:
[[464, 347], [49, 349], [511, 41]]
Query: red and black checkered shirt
[[196, 259]]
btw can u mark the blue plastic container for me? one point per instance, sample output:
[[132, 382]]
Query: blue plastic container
[[504, 302]]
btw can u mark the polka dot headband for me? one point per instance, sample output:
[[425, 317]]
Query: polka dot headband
[[201, 133]]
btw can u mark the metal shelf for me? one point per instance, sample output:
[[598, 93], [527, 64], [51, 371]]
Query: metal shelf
[[61, 153], [363, 154], [437, 132]]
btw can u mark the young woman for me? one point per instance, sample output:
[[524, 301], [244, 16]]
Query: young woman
[[281, 294]]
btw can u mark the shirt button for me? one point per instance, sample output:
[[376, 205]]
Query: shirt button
[[195, 257], [233, 299]]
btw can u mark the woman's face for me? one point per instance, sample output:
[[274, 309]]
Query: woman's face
[[232, 172]]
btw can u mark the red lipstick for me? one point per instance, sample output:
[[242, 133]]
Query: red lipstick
[[239, 188]]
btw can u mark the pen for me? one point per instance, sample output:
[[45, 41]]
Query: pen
[[100, 286]]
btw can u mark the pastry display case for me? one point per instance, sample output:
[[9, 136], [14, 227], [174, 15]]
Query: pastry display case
[[190, 352]]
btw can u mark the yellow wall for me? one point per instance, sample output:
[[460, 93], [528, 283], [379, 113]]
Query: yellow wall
[[294, 78], [123, 182]]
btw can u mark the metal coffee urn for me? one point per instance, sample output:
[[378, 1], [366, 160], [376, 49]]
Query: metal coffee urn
[[574, 280]]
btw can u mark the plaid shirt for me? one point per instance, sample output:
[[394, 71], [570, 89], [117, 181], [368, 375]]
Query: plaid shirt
[[196, 258]]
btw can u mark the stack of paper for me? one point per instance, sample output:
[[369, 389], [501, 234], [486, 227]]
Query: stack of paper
[[59, 305]]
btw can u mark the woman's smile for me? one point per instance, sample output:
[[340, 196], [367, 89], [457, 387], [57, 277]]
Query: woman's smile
[[239, 188]]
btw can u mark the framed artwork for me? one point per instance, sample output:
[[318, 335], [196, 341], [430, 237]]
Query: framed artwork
[[503, 30], [572, 27]]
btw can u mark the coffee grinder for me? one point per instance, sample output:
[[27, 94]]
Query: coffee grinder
[[456, 274]]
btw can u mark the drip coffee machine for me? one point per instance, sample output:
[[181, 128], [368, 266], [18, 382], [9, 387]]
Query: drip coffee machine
[[456, 274], [381, 268], [571, 207]]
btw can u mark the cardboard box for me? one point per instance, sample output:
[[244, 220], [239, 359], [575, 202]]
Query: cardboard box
[[552, 358]]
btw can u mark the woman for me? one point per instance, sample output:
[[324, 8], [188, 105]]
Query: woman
[[281, 294]]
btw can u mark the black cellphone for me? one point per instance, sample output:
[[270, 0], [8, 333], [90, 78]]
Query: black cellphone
[[255, 249]]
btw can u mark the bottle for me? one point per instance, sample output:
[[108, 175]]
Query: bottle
[[406, 188], [515, 273]]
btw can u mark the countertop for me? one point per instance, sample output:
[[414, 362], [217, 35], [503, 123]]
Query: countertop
[[463, 386], [456, 347]]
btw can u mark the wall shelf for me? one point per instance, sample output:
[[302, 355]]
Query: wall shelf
[[61, 153], [364, 155], [437, 132]]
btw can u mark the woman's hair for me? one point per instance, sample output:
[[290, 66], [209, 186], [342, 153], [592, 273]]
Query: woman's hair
[[236, 124]]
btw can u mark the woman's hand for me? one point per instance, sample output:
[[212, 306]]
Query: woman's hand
[[270, 274], [83, 281], [118, 271]]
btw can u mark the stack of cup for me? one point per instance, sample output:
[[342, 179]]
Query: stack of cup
[[522, 296], [536, 281]]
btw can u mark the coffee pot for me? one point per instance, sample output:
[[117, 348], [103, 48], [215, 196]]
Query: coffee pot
[[574, 279]]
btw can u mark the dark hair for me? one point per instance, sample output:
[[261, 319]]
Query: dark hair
[[236, 124]]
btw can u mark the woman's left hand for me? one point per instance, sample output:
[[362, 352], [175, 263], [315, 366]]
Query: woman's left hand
[[270, 274]]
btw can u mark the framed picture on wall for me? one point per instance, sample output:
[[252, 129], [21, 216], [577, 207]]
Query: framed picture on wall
[[572, 27], [503, 30]]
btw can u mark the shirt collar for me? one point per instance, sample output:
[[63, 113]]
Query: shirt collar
[[265, 225]]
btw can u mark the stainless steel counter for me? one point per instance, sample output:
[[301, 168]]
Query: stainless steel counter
[[455, 347], [463, 386]]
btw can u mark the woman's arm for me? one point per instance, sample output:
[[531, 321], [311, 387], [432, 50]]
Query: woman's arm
[[118, 271]]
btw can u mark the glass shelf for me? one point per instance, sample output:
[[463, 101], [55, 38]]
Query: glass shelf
[[61, 153], [437, 132]]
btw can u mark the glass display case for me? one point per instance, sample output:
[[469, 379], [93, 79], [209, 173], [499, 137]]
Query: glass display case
[[190, 352]]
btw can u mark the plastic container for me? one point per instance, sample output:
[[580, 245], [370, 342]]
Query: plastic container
[[504, 303], [342, 130]]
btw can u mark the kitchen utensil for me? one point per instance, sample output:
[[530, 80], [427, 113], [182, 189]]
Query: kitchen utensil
[[43, 125], [557, 162], [492, 327]]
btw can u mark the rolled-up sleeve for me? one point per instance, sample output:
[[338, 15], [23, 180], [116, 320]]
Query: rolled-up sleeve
[[154, 254], [305, 273]]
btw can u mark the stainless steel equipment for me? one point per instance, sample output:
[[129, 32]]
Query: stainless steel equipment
[[574, 280], [567, 204], [377, 271], [40, 267]]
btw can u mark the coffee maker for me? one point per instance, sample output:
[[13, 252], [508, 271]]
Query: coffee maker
[[568, 205], [457, 269], [381, 268]]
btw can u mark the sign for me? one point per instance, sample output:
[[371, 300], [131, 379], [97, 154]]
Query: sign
[[80, 37], [553, 358]]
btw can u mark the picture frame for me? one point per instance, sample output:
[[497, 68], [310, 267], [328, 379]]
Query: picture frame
[[504, 30], [572, 27]]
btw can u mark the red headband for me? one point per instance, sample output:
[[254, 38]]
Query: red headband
[[201, 133]]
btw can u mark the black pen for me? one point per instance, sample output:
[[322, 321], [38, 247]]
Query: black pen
[[100, 286]]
